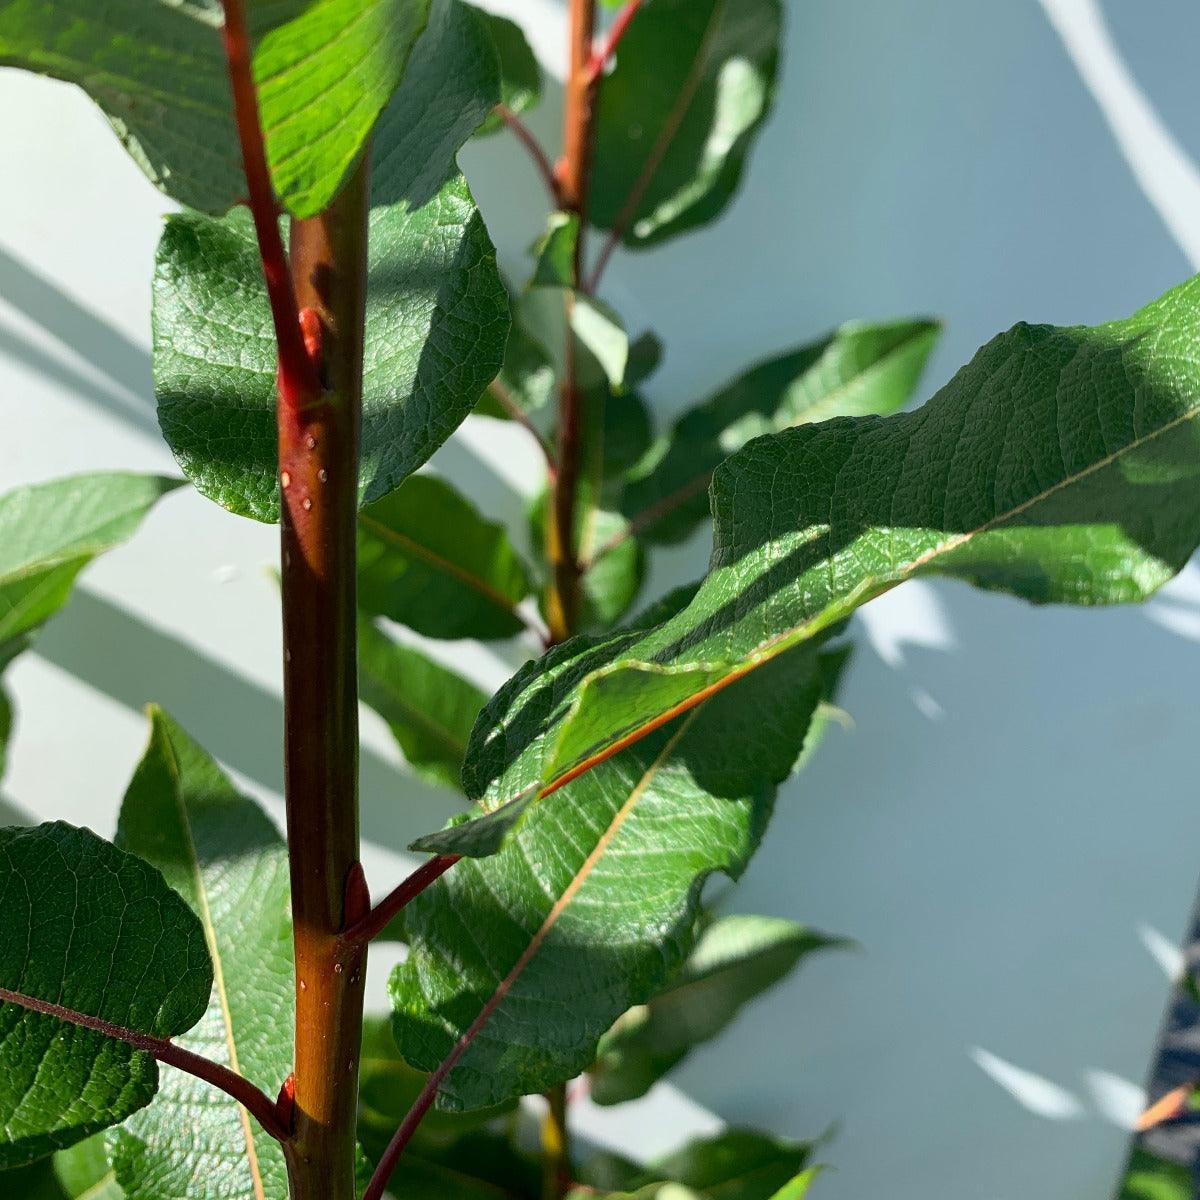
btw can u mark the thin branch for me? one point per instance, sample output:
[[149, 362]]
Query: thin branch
[[526, 137], [374, 923], [504, 398], [298, 378], [648, 516], [256, 1102], [603, 53], [666, 136]]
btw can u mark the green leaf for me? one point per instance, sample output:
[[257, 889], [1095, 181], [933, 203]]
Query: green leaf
[[1153, 1178], [526, 379], [734, 961], [477, 1166], [1061, 465], [437, 314], [6, 724], [95, 931], [735, 1165], [428, 559], [85, 1173], [388, 1086], [858, 370], [219, 851], [429, 709], [35, 1182], [591, 901], [520, 73], [50, 531], [554, 252], [158, 70], [692, 85]]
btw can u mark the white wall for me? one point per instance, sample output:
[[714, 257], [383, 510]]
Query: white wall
[[1012, 817]]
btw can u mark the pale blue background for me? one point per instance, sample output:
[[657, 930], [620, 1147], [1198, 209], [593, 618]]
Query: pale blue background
[[1012, 819]]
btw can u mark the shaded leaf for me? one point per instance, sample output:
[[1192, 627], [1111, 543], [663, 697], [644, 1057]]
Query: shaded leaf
[[429, 708], [591, 902], [1060, 465], [734, 961], [675, 120], [429, 560], [50, 531], [1153, 1178], [219, 851], [436, 308], [158, 70], [94, 930], [520, 73], [858, 370], [85, 1173]]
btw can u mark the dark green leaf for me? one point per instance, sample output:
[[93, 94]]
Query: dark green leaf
[[858, 370], [35, 1182], [693, 82], [85, 1173], [428, 559], [436, 308], [1154, 1178], [50, 531], [94, 930], [591, 902], [734, 961], [554, 252], [520, 74], [1061, 465], [6, 724], [735, 1165], [324, 72], [429, 709], [220, 852], [526, 380]]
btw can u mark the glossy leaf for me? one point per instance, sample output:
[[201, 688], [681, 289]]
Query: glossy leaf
[[437, 314], [734, 961], [858, 370], [1061, 465], [520, 73], [50, 531], [676, 118], [429, 560], [734, 1165], [324, 72], [429, 708], [591, 902], [219, 851], [91, 929]]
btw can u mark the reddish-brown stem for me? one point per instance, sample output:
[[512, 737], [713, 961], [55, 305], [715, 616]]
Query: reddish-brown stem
[[616, 32], [573, 175], [376, 921], [318, 475], [526, 137], [256, 1102], [298, 379], [503, 397], [556, 1163]]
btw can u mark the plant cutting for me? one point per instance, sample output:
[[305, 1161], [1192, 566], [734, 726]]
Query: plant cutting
[[182, 1007]]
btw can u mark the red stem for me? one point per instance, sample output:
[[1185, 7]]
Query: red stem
[[256, 1102], [375, 921], [504, 398], [525, 136], [298, 378], [601, 56]]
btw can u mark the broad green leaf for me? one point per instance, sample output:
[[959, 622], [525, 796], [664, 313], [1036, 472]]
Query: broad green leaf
[[734, 961], [35, 1182], [1153, 1178], [692, 84], [50, 531], [429, 708], [157, 68], [224, 857], [476, 1166], [858, 370], [436, 308], [554, 252], [388, 1086], [520, 73], [1061, 465], [85, 1173], [591, 903], [91, 930], [735, 1165], [428, 559], [797, 1189], [527, 378]]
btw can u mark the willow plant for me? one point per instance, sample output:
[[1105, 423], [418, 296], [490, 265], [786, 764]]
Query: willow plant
[[557, 929]]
